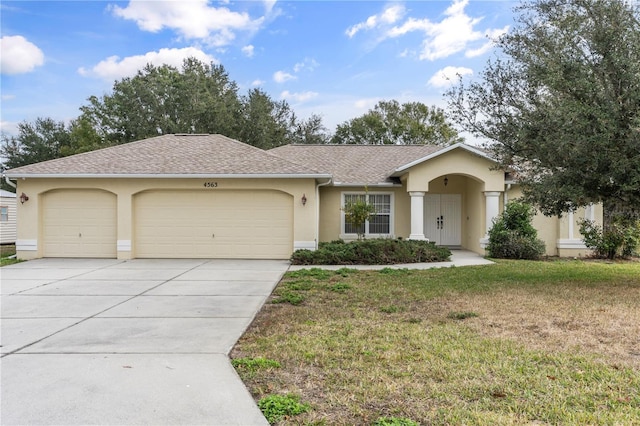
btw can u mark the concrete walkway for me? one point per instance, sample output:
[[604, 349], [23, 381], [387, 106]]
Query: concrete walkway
[[458, 258], [88, 341]]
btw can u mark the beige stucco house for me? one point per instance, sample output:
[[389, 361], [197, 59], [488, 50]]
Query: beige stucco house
[[208, 196]]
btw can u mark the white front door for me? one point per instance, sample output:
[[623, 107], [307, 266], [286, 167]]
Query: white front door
[[442, 218]]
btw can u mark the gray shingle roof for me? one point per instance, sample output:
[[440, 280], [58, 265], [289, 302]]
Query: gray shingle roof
[[356, 164], [170, 155]]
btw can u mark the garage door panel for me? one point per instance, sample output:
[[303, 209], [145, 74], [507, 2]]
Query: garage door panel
[[214, 224], [79, 223]]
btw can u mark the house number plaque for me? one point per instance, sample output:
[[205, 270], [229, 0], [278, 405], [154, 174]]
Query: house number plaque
[[211, 184]]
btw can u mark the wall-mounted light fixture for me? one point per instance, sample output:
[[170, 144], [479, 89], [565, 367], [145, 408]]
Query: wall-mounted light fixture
[[23, 198], [446, 181], [304, 199]]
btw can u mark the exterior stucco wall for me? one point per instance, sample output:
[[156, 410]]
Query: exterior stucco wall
[[562, 235], [331, 213], [457, 162], [29, 233]]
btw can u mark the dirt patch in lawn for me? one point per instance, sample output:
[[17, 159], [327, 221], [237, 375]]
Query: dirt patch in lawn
[[603, 321]]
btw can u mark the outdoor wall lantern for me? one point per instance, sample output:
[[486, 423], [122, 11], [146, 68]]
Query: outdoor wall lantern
[[304, 199], [446, 181], [23, 198]]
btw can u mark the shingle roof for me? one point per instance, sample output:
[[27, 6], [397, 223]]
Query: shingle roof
[[170, 155], [356, 164]]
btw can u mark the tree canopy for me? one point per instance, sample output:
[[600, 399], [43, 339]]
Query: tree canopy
[[561, 103], [199, 98], [390, 122]]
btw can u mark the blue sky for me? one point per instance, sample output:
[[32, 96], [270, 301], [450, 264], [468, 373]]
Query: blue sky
[[332, 58]]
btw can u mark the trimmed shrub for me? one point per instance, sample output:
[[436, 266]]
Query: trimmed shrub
[[621, 238], [371, 252], [512, 235]]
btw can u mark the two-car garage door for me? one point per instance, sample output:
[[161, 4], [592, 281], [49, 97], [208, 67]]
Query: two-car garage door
[[254, 224]]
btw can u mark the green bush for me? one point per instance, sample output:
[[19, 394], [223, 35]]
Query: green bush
[[621, 238], [371, 252], [512, 235]]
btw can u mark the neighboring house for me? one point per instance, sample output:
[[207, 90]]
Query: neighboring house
[[208, 196], [7, 217]]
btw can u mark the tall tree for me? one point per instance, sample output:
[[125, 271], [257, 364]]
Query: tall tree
[[200, 98], [265, 122], [390, 122], [561, 105], [41, 140]]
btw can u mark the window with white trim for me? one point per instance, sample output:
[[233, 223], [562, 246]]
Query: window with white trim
[[380, 223], [4, 214]]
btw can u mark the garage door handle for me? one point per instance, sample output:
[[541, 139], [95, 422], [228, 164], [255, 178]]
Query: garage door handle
[[213, 235], [80, 234]]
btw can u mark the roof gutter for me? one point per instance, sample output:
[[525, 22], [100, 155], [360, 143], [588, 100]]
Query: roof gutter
[[168, 176]]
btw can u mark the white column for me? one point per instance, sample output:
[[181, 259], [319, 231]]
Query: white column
[[590, 212], [417, 216], [570, 219], [492, 206]]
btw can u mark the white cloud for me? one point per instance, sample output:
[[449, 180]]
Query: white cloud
[[8, 97], [366, 104], [298, 97], [456, 32], [307, 64], [19, 55], [257, 83], [114, 68], [389, 16], [194, 19], [448, 75], [9, 127], [248, 50], [491, 35], [282, 76]]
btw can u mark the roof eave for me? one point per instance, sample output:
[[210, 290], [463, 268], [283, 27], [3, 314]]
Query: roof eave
[[168, 176]]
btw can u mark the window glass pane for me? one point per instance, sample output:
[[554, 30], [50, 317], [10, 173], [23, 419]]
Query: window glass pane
[[350, 229], [382, 203], [379, 224], [4, 214]]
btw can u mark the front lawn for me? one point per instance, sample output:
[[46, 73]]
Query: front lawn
[[518, 342]]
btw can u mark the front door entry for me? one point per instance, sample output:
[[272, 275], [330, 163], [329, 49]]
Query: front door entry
[[442, 219]]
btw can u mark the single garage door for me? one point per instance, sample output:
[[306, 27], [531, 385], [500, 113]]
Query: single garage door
[[213, 224], [79, 223]]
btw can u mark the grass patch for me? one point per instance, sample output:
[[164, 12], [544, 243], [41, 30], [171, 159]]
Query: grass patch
[[7, 250], [461, 315], [249, 366], [553, 343], [395, 421], [277, 407]]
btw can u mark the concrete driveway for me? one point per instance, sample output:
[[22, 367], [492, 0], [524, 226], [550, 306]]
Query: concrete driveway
[[93, 341]]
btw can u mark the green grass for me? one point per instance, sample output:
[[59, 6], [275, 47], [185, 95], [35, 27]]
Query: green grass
[[6, 251], [540, 342]]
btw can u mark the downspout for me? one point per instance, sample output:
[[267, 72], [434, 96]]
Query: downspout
[[6, 178], [506, 197], [318, 209]]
